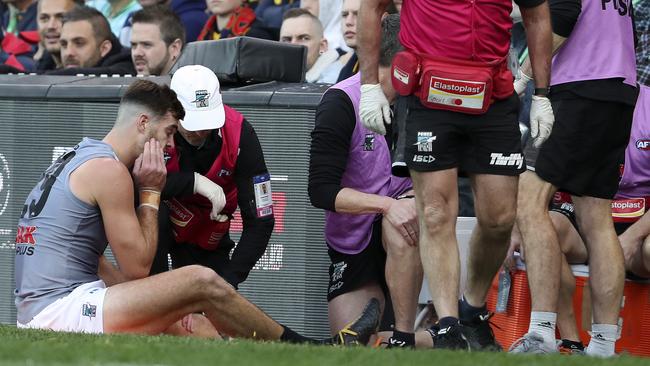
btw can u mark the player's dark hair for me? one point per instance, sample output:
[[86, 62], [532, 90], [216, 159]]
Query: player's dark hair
[[159, 99]]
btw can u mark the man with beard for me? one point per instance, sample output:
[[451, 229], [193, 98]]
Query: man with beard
[[157, 39], [50, 21], [89, 47]]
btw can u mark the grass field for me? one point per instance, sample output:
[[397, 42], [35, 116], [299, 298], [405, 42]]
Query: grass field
[[29, 347]]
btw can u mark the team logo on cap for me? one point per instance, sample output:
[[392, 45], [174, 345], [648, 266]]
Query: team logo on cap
[[202, 99]]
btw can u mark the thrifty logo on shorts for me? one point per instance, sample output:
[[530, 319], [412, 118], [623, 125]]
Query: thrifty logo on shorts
[[500, 159]]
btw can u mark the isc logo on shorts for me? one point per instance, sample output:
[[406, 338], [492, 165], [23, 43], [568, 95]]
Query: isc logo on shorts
[[423, 159]]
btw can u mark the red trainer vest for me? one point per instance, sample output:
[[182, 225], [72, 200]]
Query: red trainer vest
[[190, 216]]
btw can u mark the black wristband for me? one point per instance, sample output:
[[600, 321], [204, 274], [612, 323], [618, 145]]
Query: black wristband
[[542, 92]]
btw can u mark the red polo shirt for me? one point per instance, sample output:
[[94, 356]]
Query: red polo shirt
[[476, 30]]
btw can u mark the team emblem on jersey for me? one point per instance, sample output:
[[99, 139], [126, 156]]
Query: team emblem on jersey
[[369, 142]]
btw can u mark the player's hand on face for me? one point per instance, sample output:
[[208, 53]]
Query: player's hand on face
[[149, 170], [402, 215]]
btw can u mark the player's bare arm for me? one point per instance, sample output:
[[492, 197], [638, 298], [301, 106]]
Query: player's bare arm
[[400, 213], [537, 21], [369, 34]]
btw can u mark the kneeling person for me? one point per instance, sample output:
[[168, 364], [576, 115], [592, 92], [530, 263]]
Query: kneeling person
[[371, 226]]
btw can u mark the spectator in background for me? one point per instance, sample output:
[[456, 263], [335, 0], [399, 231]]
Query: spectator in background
[[19, 35], [302, 28], [117, 12], [329, 13], [89, 47], [642, 22], [349, 14], [157, 40], [231, 18], [50, 22], [193, 16], [270, 12], [20, 15], [125, 32]]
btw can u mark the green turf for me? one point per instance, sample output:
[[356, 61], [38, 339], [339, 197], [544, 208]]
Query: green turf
[[30, 347]]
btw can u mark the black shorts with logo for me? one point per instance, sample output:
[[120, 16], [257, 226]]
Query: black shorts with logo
[[583, 154], [565, 208], [348, 272], [488, 143]]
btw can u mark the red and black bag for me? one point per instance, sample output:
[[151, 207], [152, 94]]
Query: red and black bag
[[442, 83]]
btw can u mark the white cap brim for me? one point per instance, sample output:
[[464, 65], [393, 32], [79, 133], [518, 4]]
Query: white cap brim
[[205, 119]]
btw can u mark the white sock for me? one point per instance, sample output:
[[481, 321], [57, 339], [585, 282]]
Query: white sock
[[543, 323], [603, 340]]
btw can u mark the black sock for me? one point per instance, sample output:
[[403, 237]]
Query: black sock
[[407, 338], [292, 337], [468, 312], [573, 344], [447, 322]]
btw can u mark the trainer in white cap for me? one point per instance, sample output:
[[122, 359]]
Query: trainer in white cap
[[197, 88]]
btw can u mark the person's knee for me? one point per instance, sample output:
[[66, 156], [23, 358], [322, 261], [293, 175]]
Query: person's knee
[[498, 222], [437, 216], [208, 282], [398, 247]]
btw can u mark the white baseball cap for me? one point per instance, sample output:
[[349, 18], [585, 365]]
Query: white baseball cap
[[197, 88]]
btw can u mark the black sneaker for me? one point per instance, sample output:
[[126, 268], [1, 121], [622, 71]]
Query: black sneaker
[[396, 343], [359, 331], [451, 338], [479, 333]]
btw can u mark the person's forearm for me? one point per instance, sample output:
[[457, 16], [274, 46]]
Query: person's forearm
[[537, 21], [178, 184], [148, 219], [527, 68], [110, 274], [368, 34], [351, 201], [252, 245]]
